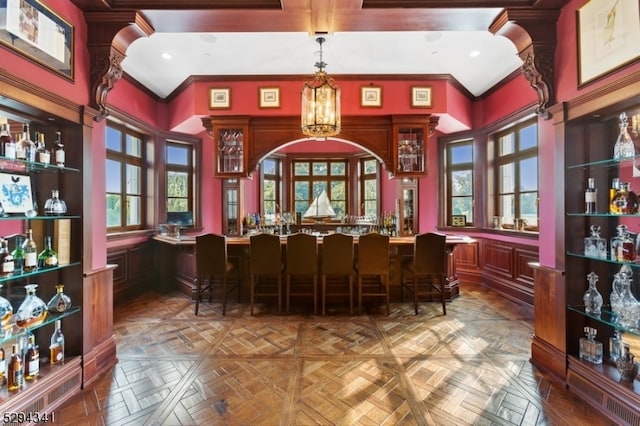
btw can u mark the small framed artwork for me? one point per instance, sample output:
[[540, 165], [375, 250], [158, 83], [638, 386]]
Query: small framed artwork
[[458, 220], [219, 97], [15, 193], [421, 97], [269, 97], [371, 97], [608, 37]]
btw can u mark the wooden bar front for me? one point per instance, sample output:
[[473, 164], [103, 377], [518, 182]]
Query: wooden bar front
[[175, 262]]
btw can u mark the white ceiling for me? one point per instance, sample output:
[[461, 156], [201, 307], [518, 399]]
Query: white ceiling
[[295, 53]]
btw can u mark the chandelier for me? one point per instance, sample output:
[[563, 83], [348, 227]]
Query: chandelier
[[320, 103]]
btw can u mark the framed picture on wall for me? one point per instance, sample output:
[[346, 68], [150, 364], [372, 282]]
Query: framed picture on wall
[[608, 37], [33, 30], [15, 193], [371, 96], [421, 97], [269, 97], [219, 97]]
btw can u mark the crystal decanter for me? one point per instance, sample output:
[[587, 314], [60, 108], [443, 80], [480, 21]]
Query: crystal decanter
[[590, 349], [623, 248], [630, 313], [624, 147], [6, 311], [595, 245], [624, 201], [626, 365], [592, 297], [33, 310], [54, 206], [615, 298]]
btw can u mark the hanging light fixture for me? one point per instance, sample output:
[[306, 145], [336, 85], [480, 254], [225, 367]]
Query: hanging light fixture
[[320, 103]]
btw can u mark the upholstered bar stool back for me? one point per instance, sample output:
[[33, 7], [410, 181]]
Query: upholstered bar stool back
[[425, 274], [302, 268], [337, 263], [373, 263], [265, 268], [213, 270]]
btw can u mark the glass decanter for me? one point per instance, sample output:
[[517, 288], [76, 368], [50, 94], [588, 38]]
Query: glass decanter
[[625, 201], [60, 302], [6, 311], [630, 313], [623, 248], [624, 147], [626, 365], [592, 297], [590, 349], [595, 245], [54, 206], [615, 298], [33, 310]]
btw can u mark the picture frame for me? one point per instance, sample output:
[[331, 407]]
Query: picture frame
[[608, 34], [458, 220], [219, 98], [16, 194], [269, 97], [371, 96], [421, 97], [39, 34]]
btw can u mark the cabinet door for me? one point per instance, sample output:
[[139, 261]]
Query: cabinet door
[[231, 141], [408, 207], [231, 196], [408, 149]]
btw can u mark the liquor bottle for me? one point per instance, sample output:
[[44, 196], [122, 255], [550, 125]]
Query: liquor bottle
[[57, 345], [58, 149], [47, 258], [590, 349], [5, 137], [25, 147], [595, 245], [54, 206], [615, 187], [626, 364], [6, 312], [6, 260], [623, 248], [30, 253], [60, 302], [615, 346], [624, 147], [14, 370], [625, 201], [43, 154], [590, 195], [592, 297], [18, 256], [3, 368], [32, 360], [32, 311]]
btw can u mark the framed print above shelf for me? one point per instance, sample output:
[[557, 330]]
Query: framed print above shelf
[[371, 96], [36, 32], [420, 97], [269, 97], [219, 98]]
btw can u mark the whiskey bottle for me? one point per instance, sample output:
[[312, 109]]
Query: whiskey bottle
[[6, 260], [47, 258], [5, 138], [56, 348], [30, 253], [58, 150], [615, 187], [32, 360], [14, 370], [43, 154], [590, 195], [25, 147], [3, 368], [18, 256]]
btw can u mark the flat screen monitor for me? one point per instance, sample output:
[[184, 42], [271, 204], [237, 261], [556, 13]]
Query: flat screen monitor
[[184, 219]]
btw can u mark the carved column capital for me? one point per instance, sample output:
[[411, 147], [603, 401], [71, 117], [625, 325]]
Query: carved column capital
[[433, 122], [110, 34], [533, 32]]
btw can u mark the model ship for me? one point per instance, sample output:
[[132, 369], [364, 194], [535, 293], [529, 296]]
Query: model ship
[[320, 208]]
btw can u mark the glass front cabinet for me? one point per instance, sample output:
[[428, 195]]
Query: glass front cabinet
[[407, 206], [231, 142], [410, 135]]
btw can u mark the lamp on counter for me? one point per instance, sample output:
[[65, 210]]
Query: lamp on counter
[[320, 103]]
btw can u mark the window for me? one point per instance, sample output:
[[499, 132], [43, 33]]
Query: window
[[179, 177], [312, 177], [270, 186], [517, 174], [369, 187], [124, 179], [459, 164]]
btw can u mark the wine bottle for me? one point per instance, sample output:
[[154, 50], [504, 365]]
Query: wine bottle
[[32, 360], [14, 370], [18, 256], [30, 253], [25, 147], [58, 149], [56, 348], [6, 260], [590, 195], [47, 258]]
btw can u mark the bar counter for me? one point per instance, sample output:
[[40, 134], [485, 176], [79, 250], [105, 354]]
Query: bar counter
[[175, 262]]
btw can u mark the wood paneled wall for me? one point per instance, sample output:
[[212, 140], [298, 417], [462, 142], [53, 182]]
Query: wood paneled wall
[[134, 273]]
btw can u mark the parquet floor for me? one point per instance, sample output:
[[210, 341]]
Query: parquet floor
[[470, 367]]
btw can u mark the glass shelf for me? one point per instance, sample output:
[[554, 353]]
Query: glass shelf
[[38, 272], [39, 217], [603, 214], [607, 259], [25, 166], [606, 317], [609, 162], [13, 331]]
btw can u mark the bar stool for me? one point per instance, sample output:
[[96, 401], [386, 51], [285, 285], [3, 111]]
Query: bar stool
[[265, 267], [337, 263], [373, 262], [302, 265], [213, 270], [425, 274]]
